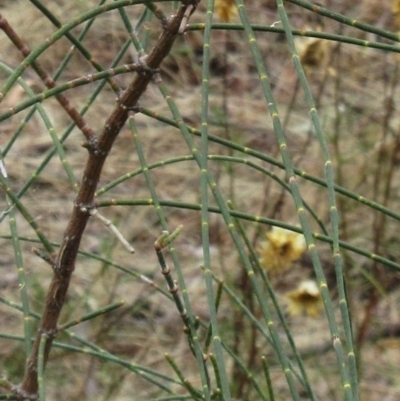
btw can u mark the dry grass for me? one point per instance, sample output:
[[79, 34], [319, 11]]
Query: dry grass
[[352, 95]]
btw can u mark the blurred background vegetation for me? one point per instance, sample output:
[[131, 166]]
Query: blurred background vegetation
[[273, 333]]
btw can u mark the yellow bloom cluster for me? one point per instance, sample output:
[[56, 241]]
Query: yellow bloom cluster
[[225, 9], [282, 249], [306, 299], [276, 256]]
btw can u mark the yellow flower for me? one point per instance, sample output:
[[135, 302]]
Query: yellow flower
[[306, 299], [314, 52], [226, 9], [282, 249], [396, 12]]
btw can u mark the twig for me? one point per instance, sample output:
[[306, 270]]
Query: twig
[[112, 228], [48, 81], [189, 11], [163, 241]]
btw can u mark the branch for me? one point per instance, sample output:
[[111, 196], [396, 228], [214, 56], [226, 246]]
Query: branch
[[48, 81], [98, 148]]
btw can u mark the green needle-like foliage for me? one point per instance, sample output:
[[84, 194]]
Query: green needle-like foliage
[[199, 200]]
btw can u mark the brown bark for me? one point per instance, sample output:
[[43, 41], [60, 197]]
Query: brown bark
[[98, 147]]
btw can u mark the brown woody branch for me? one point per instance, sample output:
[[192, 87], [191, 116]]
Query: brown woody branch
[[98, 148], [48, 81]]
